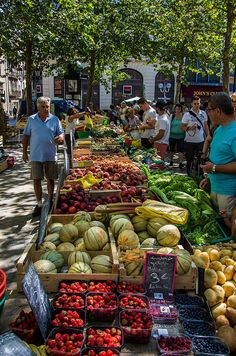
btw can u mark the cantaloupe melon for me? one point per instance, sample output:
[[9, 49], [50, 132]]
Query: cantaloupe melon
[[80, 268], [54, 238], [54, 227], [82, 227], [143, 235], [79, 256], [98, 224], [95, 239], [128, 238], [81, 216], [168, 235], [68, 233], [121, 225], [45, 266], [139, 223], [101, 264], [47, 246], [66, 246], [55, 257], [118, 216], [154, 225]]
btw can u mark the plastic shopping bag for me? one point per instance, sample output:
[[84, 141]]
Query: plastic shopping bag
[[155, 209]]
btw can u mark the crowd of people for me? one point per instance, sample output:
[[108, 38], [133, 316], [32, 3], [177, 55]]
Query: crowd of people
[[208, 134]]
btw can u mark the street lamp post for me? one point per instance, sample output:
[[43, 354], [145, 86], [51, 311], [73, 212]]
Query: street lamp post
[[164, 89]]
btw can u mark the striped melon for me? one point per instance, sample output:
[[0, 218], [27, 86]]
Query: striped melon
[[79, 245], [66, 246], [121, 225], [54, 238], [116, 217], [45, 266], [68, 233], [54, 227], [168, 235], [128, 238], [97, 223], [55, 257], [80, 267], [154, 225], [82, 227], [134, 268], [143, 235], [184, 261], [79, 256], [139, 223], [95, 239], [165, 250], [47, 246], [149, 242], [81, 216], [101, 264]]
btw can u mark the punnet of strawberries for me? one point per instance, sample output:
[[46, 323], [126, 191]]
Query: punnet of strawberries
[[136, 325], [66, 342], [128, 287], [71, 301], [132, 301], [174, 343], [25, 326], [70, 318], [108, 286], [104, 337], [73, 287], [100, 352], [101, 306]]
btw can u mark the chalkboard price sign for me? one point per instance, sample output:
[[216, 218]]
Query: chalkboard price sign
[[159, 273], [38, 299], [10, 344]]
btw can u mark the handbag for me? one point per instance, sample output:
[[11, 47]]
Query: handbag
[[195, 115]]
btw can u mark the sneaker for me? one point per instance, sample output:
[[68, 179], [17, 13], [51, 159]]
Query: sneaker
[[36, 211], [181, 165], [171, 163]]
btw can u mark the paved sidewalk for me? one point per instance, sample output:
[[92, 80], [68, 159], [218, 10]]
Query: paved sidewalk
[[17, 226]]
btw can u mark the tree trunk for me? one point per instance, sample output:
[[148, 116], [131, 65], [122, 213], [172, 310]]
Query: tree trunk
[[91, 77], [178, 83], [28, 67], [227, 44]]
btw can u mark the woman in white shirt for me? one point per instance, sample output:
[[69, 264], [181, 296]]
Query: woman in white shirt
[[72, 115]]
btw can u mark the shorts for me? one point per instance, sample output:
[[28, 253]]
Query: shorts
[[161, 149], [224, 202], [48, 169], [177, 143]]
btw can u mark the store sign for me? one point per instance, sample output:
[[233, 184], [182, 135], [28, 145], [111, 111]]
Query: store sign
[[38, 88], [58, 87], [203, 91], [127, 89], [159, 274], [10, 344], [37, 299]]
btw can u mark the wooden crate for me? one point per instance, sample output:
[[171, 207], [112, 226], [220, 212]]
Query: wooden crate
[[187, 281], [3, 165], [51, 281]]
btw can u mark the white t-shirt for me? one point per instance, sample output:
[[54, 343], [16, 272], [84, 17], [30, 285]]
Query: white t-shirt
[[70, 126], [147, 115], [163, 123], [195, 135]]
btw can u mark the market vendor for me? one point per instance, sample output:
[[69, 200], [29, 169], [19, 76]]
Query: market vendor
[[149, 120], [221, 167], [133, 124]]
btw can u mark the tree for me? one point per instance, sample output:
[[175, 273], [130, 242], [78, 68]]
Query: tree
[[181, 36]]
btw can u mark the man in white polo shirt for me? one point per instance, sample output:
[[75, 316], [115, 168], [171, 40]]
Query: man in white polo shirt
[[194, 123]]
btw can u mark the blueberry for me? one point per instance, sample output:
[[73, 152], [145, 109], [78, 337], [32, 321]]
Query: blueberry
[[198, 328]]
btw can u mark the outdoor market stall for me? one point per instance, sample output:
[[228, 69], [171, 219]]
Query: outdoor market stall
[[112, 268]]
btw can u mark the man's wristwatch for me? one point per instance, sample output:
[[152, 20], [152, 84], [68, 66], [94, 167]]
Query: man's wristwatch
[[213, 170]]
